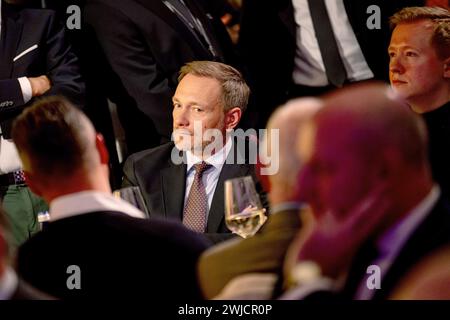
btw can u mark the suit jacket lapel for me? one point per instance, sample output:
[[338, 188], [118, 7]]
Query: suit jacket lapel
[[229, 171], [160, 9], [11, 34], [173, 181]]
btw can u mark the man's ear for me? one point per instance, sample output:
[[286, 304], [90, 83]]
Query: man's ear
[[232, 117], [101, 148], [447, 68], [30, 181]]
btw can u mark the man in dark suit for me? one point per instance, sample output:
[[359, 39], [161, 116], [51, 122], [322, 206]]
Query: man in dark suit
[[209, 100], [265, 251], [146, 43], [33, 47], [377, 209], [95, 245], [35, 60], [284, 49]]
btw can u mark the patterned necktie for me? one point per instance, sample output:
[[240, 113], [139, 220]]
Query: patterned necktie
[[194, 215], [334, 67]]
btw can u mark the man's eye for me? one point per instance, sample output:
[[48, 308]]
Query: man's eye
[[411, 54], [197, 109], [392, 54], [176, 105]]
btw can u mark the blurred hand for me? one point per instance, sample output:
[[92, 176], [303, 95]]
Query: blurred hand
[[332, 243], [39, 85]]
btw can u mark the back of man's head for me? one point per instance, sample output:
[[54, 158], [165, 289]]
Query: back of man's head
[[372, 119], [364, 138], [55, 140]]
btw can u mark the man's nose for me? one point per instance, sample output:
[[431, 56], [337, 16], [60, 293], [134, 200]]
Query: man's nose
[[181, 117], [395, 65]]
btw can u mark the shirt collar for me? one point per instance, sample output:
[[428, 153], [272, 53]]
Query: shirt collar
[[394, 238], [90, 201], [8, 283], [217, 159]]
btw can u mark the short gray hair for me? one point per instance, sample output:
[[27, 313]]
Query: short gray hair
[[235, 91]]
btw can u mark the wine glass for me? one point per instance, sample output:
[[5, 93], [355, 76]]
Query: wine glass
[[133, 196], [244, 214]]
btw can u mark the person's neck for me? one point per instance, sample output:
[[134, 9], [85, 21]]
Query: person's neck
[[406, 200], [77, 184], [427, 104]]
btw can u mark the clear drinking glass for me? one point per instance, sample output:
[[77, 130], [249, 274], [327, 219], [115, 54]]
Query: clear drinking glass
[[133, 196], [244, 214]]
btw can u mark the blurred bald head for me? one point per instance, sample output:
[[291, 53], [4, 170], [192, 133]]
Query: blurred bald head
[[371, 118], [362, 137], [287, 120]]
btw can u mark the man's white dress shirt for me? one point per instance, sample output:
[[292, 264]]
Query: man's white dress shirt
[[90, 201], [309, 69], [211, 176]]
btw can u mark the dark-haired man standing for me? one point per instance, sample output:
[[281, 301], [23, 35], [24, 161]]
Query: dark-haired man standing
[[35, 60]]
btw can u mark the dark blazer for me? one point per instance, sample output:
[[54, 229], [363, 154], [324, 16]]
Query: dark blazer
[[438, 125], [163, 184], [21, 30], [146, 45], [431, 234], [262, 253], [118, 256], [267, 44]]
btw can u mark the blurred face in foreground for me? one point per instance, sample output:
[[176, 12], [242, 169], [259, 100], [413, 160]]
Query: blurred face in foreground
[[336, 173]]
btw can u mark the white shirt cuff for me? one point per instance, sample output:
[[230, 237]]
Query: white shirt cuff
[[25, 85]]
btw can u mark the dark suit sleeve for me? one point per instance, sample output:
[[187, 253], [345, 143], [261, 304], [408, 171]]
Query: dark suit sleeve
[[62, 65], [129, 176], [131, 59], [10, 94], [58, 62]]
